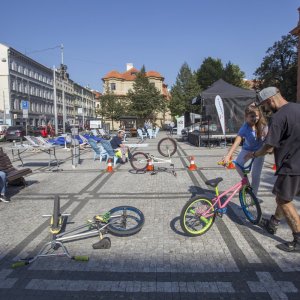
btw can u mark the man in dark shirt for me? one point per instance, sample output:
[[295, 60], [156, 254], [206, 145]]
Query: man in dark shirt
[[284, 138], [117, 143]]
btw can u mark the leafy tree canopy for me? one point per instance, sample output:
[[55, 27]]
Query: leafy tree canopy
[[183, 91], [145, 100], [111, 107], [212, 70], [279, 67]]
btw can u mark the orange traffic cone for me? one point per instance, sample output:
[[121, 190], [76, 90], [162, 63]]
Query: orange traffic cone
[[231, 164], [150, 166], [109, 166], [274, 167], [192, 166]]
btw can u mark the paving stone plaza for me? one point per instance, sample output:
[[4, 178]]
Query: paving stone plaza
[[233, 260]]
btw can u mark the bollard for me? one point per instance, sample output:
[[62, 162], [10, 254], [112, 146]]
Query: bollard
[[75, 153]]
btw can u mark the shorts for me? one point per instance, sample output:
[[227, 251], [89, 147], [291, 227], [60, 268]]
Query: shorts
[[287, 186]]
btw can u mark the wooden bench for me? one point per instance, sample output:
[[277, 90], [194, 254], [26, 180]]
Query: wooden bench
[[13, 175]]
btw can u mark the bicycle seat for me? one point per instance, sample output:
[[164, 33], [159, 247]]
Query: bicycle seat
[[214, 182]]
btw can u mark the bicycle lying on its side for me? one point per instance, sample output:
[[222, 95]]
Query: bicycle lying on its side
[[119, 221], [199, 213], [166, 147]]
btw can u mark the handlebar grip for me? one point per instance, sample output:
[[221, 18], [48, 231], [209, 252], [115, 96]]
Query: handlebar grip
[[222, 163], [19, 264], [81, 258]]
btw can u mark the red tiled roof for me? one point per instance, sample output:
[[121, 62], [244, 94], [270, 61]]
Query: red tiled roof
[[153, 74], [113, 74], [130, 75]]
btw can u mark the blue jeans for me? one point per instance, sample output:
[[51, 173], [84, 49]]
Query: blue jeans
[[256, 169], [2, 183]]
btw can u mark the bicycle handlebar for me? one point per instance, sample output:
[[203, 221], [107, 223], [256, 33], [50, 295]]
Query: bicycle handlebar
[[245, 169]]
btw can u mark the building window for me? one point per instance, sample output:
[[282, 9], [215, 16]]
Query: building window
[[16, 104], [13, 84], [112, 86]]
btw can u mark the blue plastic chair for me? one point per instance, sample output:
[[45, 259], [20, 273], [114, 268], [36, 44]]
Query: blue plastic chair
[[141, 134], [155, 132], [99, 151], [110, 151]]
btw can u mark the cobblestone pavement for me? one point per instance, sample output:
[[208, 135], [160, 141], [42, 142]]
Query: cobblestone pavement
[[233, 260]]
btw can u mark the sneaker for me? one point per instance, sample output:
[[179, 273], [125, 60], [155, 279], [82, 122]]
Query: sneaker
[[293, 246], [4, 199], [270, 226]]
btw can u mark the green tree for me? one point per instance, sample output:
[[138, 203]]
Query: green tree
[[279, 67], [111, 106], [183, 91], [212, 70], [233, 75], [145, 100]]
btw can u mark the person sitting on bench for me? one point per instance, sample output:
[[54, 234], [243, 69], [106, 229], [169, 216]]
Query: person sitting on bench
[[3, 198]]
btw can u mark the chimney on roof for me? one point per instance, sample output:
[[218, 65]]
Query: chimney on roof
[[129, 66]]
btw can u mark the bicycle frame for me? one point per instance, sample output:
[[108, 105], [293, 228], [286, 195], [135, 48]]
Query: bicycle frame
[[217, 201], [61, 237], [157, 160]]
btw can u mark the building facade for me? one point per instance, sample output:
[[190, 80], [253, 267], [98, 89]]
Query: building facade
[[24, 80], [121, 83]]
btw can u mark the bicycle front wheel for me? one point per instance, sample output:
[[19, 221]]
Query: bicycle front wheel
[[125, 220], [197, 216], [250, 205], [167, 147], [139, 161]]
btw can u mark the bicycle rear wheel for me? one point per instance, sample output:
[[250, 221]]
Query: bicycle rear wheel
[[167, 147], [139, 161], [192, 219], [250, 205], [125, 220]]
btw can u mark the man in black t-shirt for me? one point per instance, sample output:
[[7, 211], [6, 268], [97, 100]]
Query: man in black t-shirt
[[117, 143], [284, 138]]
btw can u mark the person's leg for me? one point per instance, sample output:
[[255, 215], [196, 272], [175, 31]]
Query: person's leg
[[2, 183], [290, 213], [256, 172], [241, 161], [293, 219], [3, 198]]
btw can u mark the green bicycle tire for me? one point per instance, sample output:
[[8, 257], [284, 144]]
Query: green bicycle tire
[[249, 200], [205, 223]]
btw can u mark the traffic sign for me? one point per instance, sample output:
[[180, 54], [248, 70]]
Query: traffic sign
[[25, 113], [25, 104]]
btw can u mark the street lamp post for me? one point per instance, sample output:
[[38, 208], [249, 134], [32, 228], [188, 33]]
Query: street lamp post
[[55, 101]]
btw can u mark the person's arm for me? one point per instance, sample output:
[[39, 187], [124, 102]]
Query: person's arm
[[236, 143], [261, 152]]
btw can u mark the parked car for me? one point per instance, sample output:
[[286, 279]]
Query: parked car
[[3, 129], [15, 133]]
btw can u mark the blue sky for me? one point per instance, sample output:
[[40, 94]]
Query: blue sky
[[100, 36]]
